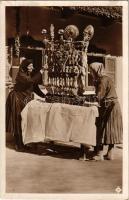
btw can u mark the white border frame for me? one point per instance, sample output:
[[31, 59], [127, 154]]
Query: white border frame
[[125, 194]]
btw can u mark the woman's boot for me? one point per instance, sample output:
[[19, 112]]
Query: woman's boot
[[98, 153], [110, 153], [84, 152]]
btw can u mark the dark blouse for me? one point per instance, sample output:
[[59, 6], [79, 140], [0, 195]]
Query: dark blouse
[[28, 84], [105, 89]]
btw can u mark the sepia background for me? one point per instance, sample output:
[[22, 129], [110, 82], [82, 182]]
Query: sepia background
[[30, 173]]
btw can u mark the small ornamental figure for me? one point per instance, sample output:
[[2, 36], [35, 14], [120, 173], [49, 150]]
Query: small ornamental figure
[[45, 40], [76, 73], [45, 74], [71, 32], [52, 36], [52, 32], [87, 35], [17, 46]]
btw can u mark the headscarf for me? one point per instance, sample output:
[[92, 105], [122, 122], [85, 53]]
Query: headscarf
[[24, 64], [97, 67]]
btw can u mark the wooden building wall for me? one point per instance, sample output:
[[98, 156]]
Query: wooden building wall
[[107, 36]]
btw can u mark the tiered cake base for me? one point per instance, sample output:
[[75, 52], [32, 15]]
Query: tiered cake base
[[76, 100]]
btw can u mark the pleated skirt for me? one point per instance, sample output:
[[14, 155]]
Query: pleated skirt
[[16, 101], [110, 129]]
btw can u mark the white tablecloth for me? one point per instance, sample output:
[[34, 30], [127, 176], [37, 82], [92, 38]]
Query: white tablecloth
[[58, 122]]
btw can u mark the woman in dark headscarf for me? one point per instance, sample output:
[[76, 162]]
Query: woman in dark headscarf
[[22, 93], [109, 124]]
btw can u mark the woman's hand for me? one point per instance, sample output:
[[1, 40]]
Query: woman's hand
[[45, 67], [41, 71]]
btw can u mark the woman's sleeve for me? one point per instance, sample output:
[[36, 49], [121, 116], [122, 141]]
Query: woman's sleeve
[[38, 91], [37, 78], [23, 78], [101, 90]]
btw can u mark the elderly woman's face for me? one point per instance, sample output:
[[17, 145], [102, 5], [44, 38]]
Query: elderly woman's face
[[30, 67]]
